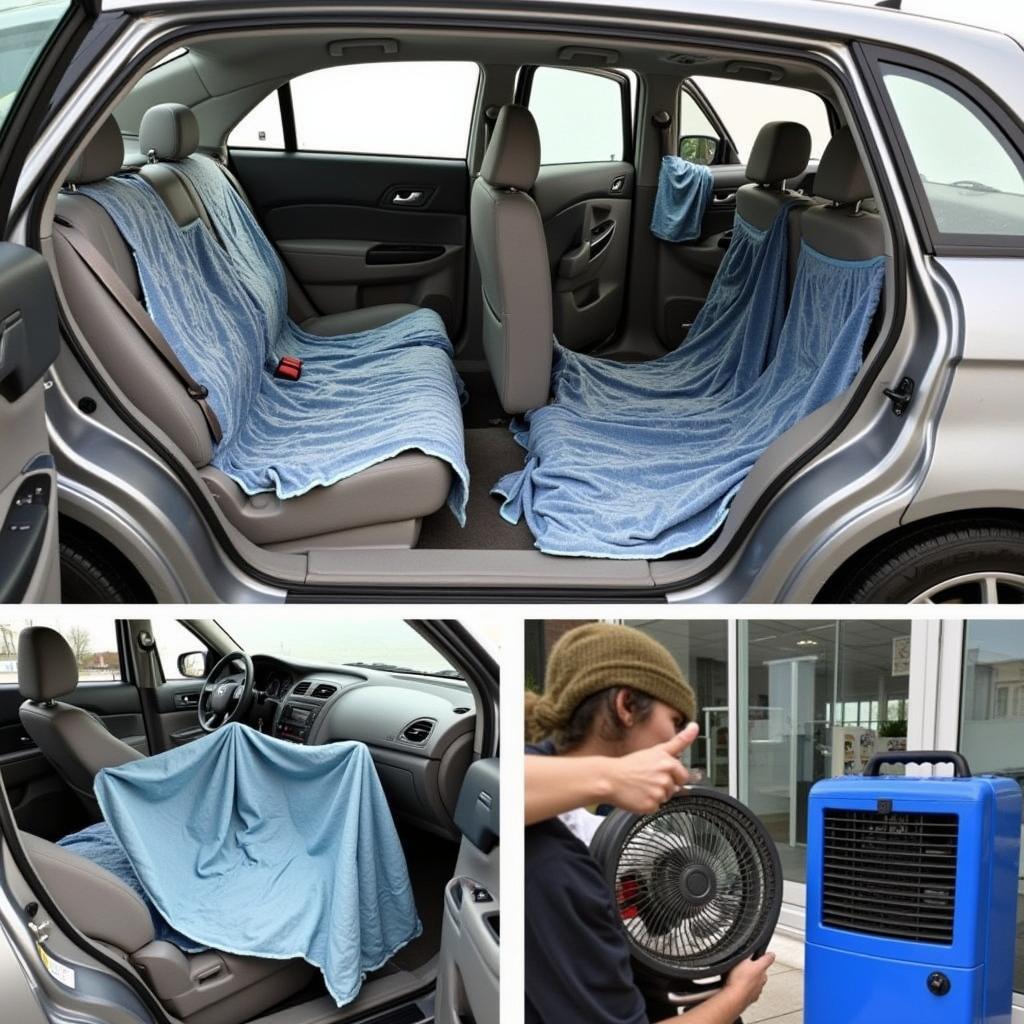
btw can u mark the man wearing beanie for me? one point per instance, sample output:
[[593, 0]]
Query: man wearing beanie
[[615, 716]]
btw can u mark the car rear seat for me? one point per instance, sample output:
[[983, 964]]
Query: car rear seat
[[379, 507]]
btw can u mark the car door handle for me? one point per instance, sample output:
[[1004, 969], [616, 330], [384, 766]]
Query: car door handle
[[723, 200], [410, 198]]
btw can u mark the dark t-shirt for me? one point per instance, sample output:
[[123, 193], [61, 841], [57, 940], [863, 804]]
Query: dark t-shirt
[[577, 959]]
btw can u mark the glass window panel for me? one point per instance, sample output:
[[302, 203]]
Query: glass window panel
[[578, 115], [90, 635]]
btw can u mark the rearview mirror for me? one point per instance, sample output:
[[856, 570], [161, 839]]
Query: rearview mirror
[[192, 665], [698, 149]]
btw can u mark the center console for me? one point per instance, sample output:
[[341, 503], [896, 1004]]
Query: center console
[[295, 722]]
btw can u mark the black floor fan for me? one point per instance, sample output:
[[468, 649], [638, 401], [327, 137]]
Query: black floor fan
[[698, 886]]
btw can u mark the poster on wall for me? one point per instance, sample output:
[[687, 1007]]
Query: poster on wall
[[901, 656], [852, 749]]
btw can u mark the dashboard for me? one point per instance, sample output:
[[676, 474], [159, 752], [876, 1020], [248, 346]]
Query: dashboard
[[418, 728]]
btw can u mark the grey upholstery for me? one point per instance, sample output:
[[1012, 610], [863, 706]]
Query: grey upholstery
[[75, 742], [102, 157], [841, 176], [169, 131], [780, 151], [508, 237], [393, 496], [202, 988]]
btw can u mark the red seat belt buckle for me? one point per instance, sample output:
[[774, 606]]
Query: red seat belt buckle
[[289, 368]]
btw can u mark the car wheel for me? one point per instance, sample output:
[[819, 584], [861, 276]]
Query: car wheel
[[91, 574], [975, 564]]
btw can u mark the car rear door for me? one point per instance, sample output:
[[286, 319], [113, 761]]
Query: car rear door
[[584, 192], [42, 803], [358, 173], [37, 40]]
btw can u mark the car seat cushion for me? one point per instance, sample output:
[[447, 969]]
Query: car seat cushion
[[361, 398]]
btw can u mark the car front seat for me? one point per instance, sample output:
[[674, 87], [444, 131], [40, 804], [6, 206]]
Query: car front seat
[[515, 274], [211, 987], [74, 741]]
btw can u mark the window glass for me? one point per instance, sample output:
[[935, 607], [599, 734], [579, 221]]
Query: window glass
[[702, 651], [420, 108], [25, 29], [745, 107], [817, 699], [973, 181], [694, 126], [172, 640], [578, 115], [389, 644], [261, 127], [992, 721], [90, 636]]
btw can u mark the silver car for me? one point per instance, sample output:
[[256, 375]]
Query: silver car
[[366, 142]]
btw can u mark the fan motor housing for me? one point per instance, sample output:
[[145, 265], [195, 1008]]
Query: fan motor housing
[[697, 883], [911, 899]]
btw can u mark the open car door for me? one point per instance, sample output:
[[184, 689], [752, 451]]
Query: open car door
[[37, 40]]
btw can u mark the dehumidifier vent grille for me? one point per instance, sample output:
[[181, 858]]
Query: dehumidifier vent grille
[[890, 874]]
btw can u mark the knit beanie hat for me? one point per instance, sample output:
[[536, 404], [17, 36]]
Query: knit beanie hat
[[595, 657]]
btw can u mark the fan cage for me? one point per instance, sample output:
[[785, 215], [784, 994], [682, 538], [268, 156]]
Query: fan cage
[[698, 883]]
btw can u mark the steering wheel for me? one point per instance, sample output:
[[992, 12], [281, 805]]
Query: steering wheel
[[226, 695]]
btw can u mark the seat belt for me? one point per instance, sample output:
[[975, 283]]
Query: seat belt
[[118, 291]]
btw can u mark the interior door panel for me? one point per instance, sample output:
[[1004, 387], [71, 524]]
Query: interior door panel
[[361, 231], [29, 342], [42, 803], [586, 210], [468, 974], [177, 707]]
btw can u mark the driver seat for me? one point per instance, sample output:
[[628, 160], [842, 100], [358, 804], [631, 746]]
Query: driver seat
[[211, 987], [73, 740]]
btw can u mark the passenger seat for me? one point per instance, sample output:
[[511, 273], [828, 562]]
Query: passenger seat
[[379, 507]]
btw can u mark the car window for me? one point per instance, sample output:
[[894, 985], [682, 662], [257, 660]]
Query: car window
[[972, 179], [25, 29], [91, 638], [261, 128], [173, 640], [695, 129], [579, 116], [744, 107]]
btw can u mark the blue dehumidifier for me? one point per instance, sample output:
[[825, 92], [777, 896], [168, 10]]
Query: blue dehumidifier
[[911, 896]]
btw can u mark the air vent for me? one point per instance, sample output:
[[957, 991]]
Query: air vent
[[418, 731], [460, 711], [301, 689], [323, 691], [890, 874]]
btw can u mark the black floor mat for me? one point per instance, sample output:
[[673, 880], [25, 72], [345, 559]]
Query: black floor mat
[[491, 452]]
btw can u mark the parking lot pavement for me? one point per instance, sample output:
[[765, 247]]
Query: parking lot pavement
[[782, 1001]]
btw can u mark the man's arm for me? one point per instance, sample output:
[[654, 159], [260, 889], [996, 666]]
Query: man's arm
[[742, 988], [639, 782]]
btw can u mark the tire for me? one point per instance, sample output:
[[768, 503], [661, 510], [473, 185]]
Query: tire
[[974, 563], [90, 573]]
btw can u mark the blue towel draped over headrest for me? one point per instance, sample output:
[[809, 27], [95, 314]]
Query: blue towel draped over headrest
[[362, 398], [260, 847], [640, 461], [684, 190]]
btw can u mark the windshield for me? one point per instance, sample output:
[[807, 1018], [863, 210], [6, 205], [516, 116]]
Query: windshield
[[390, 645], [25, 29]]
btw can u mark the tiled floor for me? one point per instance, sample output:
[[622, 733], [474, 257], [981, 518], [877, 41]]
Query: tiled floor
[[782, 1001]]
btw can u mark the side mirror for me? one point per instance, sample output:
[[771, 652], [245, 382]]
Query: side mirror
[[698, 149], [192, 665]]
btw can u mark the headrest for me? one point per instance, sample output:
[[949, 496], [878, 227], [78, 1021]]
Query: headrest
[[841, 176], [102, 156], [512, 159], [169, 131], [46, 664], [781, 150]]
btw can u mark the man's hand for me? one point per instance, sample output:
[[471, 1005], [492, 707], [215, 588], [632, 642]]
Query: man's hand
[[641, 782], [746, 981]]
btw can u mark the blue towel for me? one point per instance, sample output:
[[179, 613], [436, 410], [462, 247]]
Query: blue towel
[[642, 461], [98, 844], [684, 190], [362, 398], [260, 847]]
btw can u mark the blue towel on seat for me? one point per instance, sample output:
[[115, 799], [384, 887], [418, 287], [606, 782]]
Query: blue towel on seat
[[684, 190], [362, 398], [641, 461], [260, 847]]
